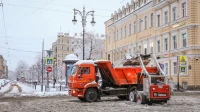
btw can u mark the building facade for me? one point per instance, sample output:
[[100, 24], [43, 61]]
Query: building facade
[[168, 28], [62, 47], [3, 68]]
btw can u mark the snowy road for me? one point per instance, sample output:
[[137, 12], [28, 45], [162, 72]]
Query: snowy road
[[178, 103]]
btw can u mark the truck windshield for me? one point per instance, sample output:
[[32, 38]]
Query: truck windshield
[[74, 70]]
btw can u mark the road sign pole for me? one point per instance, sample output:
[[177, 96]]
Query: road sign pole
[[47, 79], [178, 65]]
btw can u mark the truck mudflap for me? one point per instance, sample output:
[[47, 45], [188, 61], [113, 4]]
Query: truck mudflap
[[159, 92]]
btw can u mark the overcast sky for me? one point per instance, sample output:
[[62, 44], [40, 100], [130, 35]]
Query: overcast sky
[[27, 22]]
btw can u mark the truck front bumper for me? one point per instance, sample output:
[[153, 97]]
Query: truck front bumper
[[76, 92]]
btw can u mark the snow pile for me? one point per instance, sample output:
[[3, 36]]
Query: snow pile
[[28, 91]]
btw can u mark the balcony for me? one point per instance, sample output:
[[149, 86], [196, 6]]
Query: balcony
[[157, 5]]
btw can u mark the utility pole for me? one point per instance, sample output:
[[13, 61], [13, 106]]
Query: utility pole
[[42, 65]]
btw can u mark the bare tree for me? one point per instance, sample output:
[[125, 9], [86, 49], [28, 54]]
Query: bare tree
[[94, 46], [21, 68]]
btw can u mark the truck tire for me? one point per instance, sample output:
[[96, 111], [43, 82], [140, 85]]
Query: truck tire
[[91, 95], [81, 99], [132, 96], [141, 99]]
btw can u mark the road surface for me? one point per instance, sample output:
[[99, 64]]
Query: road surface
[[178, 103]]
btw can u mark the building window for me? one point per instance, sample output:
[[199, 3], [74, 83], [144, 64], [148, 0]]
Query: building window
[[121, 33], [166, 17], [151, 47], [67, 48], [145, 22], [166, 68], [134, 50], [129, 29], [184, 40], [174, 13], [121, 55], [183, 6], [58, 55], [62, 47], [72, 49], [151, 19], [58, 41], [158, 46], [108, 40], [175, 67], [125, 31], [166, 44], [136, 5], [174, 42], [129, 51], [140, 25], [140, 49], [108, 56], [135, 27], [113, 36], [117, 35], [158, 20]]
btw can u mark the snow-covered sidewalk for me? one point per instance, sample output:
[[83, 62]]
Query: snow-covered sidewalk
[[27, 91]]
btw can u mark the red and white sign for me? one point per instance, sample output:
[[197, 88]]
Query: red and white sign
[[49, 69]]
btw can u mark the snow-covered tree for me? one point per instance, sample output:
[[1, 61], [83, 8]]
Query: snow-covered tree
[[94, 46], [21, 69]]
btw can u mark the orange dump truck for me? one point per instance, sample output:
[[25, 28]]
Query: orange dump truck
[[91, 80]]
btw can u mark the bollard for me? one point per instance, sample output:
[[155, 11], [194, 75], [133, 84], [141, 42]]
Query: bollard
[[60, 87]]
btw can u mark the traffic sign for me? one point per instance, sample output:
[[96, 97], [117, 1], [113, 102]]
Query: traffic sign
[[49, 69], [49, 61]]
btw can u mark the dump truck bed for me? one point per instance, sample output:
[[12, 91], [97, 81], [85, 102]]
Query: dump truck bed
[[121, 75]]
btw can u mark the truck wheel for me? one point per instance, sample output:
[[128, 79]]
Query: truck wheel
[[132, 96], [81, 99], [91, 95], [141, 98]]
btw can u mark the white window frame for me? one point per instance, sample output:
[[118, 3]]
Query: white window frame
[[151, 45], [184, 31], [145, 46], [145, 22], [158, 13], [186, 7], [172, 6], [124, 31], [113, 37], [172, 40], [151, 18], [172, 66], [135, 27], [165, 9], [121, 35], [117, 35], [129, 29], [166, 67], [140, 25], [158, 39], [164, 47]]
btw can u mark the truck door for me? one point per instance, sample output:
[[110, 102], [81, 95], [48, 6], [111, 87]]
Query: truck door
[[85, 75]]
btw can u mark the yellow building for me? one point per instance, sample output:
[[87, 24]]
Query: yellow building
[[62, 47], [168, 28]]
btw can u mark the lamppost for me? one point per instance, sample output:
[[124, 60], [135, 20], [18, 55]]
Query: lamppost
[[83, 15]]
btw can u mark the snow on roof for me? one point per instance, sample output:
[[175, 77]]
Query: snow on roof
[[71, 57], [85, 62]]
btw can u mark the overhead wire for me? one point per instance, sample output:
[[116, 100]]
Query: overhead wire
[[70, 5], [56, 10], [19, 50]]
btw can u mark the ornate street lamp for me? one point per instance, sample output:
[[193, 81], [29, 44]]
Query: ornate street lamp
[[83, 15]]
